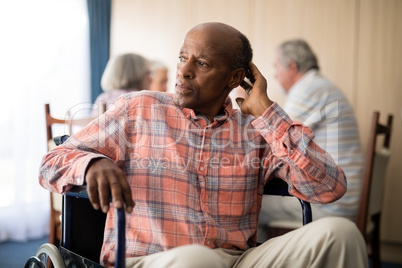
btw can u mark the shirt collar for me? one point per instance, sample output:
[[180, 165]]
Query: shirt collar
[[305, 78], [226, 111]]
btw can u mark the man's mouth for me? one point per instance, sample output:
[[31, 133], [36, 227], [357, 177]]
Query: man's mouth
[[182, 88]]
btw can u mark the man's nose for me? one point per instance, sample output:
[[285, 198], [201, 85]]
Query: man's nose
[[185, 69]]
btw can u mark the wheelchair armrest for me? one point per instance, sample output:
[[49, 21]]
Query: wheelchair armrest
[[60, 139], [277, 186], [76, 205]]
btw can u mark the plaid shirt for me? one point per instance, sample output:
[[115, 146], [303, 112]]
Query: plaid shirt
[[193, 182]]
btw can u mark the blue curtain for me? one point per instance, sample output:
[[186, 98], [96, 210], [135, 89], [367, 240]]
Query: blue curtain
[[99, 41]]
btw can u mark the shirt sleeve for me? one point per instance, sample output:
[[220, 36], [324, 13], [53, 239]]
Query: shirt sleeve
[[105, 137], [310, 172]]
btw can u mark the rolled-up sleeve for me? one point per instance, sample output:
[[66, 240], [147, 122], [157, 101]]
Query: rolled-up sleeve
[[310, 172]]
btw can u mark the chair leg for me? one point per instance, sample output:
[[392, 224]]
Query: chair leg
[[55, 231], [375, 242], [52, 233]]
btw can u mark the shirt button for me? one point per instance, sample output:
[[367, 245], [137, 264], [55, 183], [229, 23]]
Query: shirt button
[[202, 168], [208, 242]]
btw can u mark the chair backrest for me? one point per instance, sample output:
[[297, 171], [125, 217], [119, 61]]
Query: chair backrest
[[68, 122], [56, 199], [374, 172]]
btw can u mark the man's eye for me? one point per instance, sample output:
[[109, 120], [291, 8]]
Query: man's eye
[[181, 58], [203, 64]]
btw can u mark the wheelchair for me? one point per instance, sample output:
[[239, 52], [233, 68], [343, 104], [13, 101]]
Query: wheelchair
[[81, 240]]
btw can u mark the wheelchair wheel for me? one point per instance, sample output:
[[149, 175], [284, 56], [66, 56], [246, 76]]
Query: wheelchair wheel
[[49, 251], [34, 262]]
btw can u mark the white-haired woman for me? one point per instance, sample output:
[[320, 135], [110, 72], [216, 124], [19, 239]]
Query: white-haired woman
[[123, 74]]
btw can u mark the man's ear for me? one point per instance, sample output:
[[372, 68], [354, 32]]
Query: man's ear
[[237, 77], [293, 67]]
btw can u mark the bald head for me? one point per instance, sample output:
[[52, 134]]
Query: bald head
[[217, 29], [229, 40], [212, 61]]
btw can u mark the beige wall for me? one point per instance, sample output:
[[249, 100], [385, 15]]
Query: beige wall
[[358, 42]]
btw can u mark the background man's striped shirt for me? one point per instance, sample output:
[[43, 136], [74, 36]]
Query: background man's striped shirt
[[319, 104]]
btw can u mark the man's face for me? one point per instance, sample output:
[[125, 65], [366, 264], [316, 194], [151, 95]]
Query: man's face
[[203, 71], [283, 74]]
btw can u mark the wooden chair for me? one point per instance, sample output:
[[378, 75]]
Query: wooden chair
[[56, 199], [371, 200], [370, 206]]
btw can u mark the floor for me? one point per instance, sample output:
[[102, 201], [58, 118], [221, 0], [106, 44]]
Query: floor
[[15, 254]]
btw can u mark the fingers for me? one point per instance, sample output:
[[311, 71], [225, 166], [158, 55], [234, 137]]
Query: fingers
[[260, 81], [92, 190], [121, 194], [239, 102], [257, 101], [254, 70], [104, 197], [115, 189], [104, 179], [127, 196], [97, 188]]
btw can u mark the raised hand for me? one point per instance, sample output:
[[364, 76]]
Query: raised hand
[[257, 101]]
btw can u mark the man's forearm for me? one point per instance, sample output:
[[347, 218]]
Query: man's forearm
[[310, 171]]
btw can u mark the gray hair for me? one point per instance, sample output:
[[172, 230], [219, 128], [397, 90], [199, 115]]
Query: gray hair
[[126, 71], [298, 51], [156, 66]]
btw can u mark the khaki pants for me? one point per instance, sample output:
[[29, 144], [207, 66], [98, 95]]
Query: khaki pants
[[327, 242]]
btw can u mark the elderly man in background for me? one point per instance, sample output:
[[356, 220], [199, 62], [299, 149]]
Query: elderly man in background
[[316, 102]]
